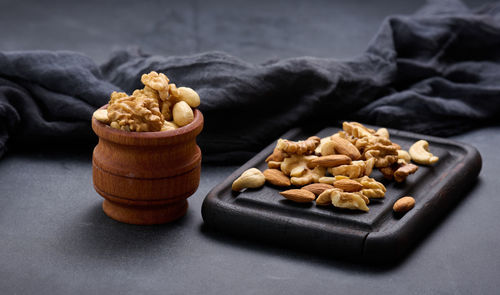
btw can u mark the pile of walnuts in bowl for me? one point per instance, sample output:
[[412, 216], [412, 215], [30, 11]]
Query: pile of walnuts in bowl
[[336, 169], [159, 106]]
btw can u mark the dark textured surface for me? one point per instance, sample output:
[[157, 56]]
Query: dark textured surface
[[55, 239]]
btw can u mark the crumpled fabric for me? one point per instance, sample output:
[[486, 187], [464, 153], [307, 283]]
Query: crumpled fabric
[[435, 72]]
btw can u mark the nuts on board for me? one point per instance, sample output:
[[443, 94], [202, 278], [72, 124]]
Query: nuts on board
[[317, 188], [274, 165], [276, 177], [308, 176], [325, 197], [151, 108], [403, 171], [348, 185], [277, 156], [324, 140], [344, 147], [371, 144], [331, 161], [299, 195], [327, 148], [388, 172], [340, 199], [381, 159], [420, 154], [327, 179], [383, 153], [382, 132], [404, 204], [297, 167], [369, 164], [354, 170], [337, 168], [302, 147], [331, 180], [371, 193], [403, 157], [356, 129], [353, 201], [251, 178], [274, 160], [372, 189], [295, 164]]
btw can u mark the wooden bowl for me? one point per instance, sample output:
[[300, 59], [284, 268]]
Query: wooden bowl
[[146, 177]]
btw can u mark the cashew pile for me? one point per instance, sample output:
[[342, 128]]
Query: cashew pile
[[159, 106], [336, 169]]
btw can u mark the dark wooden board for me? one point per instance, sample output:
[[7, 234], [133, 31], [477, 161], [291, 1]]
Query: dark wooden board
[[376, 235]]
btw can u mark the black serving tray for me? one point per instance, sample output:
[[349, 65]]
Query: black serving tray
[[379, 234]]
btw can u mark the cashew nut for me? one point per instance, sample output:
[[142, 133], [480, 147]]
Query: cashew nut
[[251, 178], [189, 96], [182, 113], [383, 132], [420, 154], [327, 148], [102, 116], [324, 140], [168, 125]]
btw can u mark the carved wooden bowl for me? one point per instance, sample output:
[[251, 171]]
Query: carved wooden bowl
[[146, 177]]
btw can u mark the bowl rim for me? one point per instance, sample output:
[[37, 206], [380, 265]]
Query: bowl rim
[[129, 137]]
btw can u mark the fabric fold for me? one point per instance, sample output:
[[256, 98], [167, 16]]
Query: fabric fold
[[433, 72]]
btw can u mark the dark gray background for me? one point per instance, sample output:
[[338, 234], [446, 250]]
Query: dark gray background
[[55, 239]]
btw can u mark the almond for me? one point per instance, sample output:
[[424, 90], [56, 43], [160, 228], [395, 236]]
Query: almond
[[276, 177], [345, 147], [348, 185], [404, 204], [331, 161], [317, 188], [299, 195]]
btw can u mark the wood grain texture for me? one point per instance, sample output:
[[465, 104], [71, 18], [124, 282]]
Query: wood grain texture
[[146, 177]]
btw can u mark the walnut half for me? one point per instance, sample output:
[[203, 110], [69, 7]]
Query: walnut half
[[132, 113]]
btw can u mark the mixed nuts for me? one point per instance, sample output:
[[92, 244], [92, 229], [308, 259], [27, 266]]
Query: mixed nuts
[[159, 106], [336, 169]]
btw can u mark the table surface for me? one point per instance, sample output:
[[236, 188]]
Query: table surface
[[54, 237]]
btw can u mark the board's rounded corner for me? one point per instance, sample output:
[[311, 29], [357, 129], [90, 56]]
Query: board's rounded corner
[[385, 246]]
